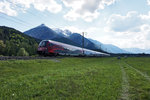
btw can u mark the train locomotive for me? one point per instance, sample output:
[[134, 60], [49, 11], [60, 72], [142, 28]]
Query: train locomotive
[[53, 48]]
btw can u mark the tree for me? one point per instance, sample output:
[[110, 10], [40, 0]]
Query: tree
[[22, 52], [11, 41], [2, 47]]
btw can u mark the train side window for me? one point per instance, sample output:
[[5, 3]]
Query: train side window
[[50, 44]]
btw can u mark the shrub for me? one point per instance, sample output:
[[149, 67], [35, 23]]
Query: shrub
[[22, 52]]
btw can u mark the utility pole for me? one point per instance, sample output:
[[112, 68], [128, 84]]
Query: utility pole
[[83, 43]]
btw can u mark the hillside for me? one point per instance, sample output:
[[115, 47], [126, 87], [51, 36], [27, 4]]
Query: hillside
[[12, 40]]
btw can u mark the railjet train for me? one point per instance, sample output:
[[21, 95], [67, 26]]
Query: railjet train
[[53, 48]]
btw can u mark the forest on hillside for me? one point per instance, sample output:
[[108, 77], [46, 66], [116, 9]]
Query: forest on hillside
[[13, 43]]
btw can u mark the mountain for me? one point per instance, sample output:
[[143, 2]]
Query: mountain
[[108, 47], [12, 40], [42, 32], [137, 50], [45, 33]]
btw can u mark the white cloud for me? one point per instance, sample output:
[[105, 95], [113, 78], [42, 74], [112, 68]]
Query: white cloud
[[148, 1], [145, 17], [10, 7], [50, 5], [131, 22], [85, 9], [131, 30], [106, 3], [128, 40], [73, 17], [146, 31], [6, 8], [22, 3]]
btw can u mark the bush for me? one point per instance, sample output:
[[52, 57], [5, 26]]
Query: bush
[[22, 52], [2, 47]]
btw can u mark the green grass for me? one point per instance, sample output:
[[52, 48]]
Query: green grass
[[72, 79], [139, 83], [142, 64]]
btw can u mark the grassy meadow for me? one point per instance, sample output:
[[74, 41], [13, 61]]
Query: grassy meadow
[[75, 79]]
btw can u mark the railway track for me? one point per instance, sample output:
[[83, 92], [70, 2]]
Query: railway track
[[25, 58], [40, 57]]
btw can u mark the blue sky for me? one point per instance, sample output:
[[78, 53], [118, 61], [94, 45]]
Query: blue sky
[[124, 23]]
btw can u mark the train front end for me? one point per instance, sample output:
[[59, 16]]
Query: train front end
[[42, 48], [47, 48]]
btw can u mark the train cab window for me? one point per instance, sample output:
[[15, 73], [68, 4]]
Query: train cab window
[[43, 44]]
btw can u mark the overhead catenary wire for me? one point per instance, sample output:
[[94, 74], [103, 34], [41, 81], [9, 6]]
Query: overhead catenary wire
[[33, 14], [12, 20], [16, 19]]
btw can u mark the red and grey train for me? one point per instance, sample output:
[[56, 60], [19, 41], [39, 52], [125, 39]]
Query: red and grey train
[[49, 47]]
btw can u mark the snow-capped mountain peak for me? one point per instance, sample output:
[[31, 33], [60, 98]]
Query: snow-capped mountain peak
[[61, 32], [67, 32]]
